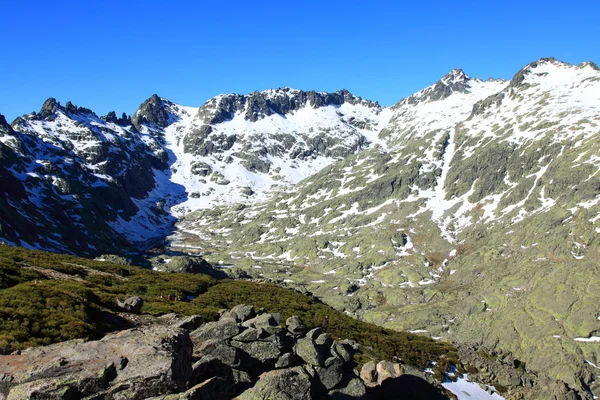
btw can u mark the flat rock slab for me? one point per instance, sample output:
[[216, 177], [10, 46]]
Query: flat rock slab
[[132, 364]]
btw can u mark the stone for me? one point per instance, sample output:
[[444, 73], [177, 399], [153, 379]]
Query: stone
[[354, 388], [190, 323], [309, 352], [295, 325], [282, 384], [286, 360], [249, 335], [262, 320], [242, 312], [368, 374], [265, 352], [228, 355], [222, 329], [133, 304], [159, 362], [341, 351], [385, 370], [331, 375]]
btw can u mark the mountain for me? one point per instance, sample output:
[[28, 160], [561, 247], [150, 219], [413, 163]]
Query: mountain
[[467, 211], [89, 184]]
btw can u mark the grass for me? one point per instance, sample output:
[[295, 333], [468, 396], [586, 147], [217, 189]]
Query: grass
[[35, 310]]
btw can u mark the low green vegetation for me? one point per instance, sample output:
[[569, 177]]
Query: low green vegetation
[[47, 298]]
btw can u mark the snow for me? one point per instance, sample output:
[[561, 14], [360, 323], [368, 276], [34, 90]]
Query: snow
[[467, 390], [593, 339]]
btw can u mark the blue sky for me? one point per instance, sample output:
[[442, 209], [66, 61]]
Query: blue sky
[[112, 55]]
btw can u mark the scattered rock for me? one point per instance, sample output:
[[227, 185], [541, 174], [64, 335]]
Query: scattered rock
[[133, 304], [295, 326]]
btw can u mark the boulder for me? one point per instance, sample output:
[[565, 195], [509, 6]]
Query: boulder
[[132, 305], [228, 355], [250, 335], [295, 326], [331, 375], [222, 329], [385, 370], [282, 384], [242, 312], [131, 364], [190, 323], [309, 352], [262, 354], [262, 321], [368, 374], [354, 388], [286, 360]]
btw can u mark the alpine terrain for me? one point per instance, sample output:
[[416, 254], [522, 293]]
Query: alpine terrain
[[468, 212]]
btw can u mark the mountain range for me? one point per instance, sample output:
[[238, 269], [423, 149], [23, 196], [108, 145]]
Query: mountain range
[[468, 211]]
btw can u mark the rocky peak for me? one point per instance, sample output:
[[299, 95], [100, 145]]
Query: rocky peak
[[257, 105], [49, 107], [518, 81], [4, 126], [152, 111], [112, 117]]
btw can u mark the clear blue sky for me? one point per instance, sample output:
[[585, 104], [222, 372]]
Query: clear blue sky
[[112, 55]]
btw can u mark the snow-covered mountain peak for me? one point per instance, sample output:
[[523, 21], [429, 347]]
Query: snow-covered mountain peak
[[259, 105], [457, 75]]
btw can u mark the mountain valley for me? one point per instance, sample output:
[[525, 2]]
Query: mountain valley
[[467, 212]]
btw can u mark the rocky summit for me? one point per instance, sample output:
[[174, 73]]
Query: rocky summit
[[467, 212]]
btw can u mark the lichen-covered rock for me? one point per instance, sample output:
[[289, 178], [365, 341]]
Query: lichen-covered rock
[[295, 325], [133, 304], [283, 384], [220, 330], [132, 364]]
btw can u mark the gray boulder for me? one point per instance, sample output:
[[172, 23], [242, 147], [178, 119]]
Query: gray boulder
[[222, 329], [295, 326], [132, 305], [282, 384], [262, 321], [354, 388], [242, 312], [220, 350], [132, 364]]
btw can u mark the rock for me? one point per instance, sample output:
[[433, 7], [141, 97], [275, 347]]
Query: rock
[[262, 321], [207, 367], [295, 325], [250, 335], [159, 361], [332, 373], [385, 370], [228, 355], [341, 351], [190, 323], [324, 341], [215, 388], [222, 329], [286, 360], [309, 352], [282, 384], [133, 304], [265, 353], [368, 374], [242, 312], [353, 388]]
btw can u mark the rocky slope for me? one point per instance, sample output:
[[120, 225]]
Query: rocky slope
[[467, 211], [245, 354]]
